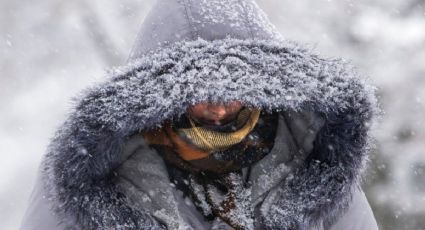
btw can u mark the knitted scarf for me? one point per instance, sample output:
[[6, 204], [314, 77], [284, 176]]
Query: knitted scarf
[[210, 171]]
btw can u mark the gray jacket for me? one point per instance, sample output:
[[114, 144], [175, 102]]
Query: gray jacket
[[99, 174]]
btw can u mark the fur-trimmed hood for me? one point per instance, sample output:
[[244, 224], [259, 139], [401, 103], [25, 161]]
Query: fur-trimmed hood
[[255, 66]]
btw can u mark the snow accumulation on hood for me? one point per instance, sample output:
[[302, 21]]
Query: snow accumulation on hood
[[191, 51]]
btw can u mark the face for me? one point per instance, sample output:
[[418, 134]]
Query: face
[[215, 114]]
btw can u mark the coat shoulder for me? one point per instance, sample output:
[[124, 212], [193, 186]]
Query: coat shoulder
[[358, 216], [39, 214]]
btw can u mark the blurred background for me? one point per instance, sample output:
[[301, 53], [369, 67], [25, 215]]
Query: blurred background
[[52, 49]]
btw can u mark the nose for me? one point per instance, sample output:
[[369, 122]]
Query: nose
[[219, 111]]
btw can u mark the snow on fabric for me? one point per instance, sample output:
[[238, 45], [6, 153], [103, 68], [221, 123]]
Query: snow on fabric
[[262, 73]]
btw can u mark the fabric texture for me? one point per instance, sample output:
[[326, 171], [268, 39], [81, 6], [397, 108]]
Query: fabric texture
[[191, 51]]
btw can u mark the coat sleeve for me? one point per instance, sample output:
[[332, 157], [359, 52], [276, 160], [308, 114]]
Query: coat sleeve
[[359, 215], [38, 214]]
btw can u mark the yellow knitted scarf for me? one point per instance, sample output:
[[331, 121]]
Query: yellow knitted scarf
[[202, 141]]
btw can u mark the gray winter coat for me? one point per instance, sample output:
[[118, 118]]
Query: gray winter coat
[[99, 174]]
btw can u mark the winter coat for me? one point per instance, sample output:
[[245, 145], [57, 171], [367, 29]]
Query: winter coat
[[99, 174]]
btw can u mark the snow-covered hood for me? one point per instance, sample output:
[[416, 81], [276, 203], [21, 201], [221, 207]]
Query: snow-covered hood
[[168, 72]]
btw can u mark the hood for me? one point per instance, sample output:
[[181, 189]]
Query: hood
[[171, 21], [221, 50]]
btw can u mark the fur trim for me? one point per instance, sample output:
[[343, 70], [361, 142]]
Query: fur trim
[[267, 74]]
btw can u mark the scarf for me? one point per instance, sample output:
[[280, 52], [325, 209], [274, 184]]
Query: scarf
[[206, 162]]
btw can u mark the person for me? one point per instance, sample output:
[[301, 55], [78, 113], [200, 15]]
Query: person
[[215, 122]]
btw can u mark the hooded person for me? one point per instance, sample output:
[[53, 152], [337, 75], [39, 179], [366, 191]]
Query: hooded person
[[133, 155]]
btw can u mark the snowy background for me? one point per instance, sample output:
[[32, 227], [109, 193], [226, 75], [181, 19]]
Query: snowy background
[[51, 49]]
